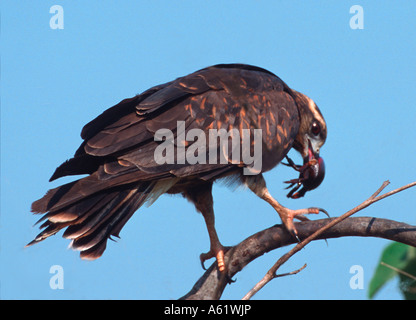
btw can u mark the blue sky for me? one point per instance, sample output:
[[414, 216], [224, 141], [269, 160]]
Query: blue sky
[[55, 81]]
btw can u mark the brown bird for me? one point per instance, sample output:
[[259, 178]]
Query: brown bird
[[168, 140]]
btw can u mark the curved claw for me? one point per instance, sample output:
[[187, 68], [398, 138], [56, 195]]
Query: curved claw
[[316, 210], [202, 262], [229, 279], [295, 235], [205, 256], [215, 253], [324, 211]]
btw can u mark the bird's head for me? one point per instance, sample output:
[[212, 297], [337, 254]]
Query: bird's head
[[311, 137]]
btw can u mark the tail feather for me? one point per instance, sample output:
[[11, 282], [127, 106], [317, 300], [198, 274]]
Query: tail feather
[[51, 198], [104, 228], [67, 195], [92, 220], [50, 230], [95, 252]]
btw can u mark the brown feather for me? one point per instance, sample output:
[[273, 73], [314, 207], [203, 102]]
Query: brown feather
[[118, 149]]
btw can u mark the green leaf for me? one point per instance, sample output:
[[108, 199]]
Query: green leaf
[[394, 255], [407, 278]]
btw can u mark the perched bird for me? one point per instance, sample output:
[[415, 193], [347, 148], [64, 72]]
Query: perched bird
[[157, 142]]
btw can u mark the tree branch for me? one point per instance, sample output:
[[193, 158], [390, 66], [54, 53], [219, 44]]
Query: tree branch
[[212, 283], [271, 274]]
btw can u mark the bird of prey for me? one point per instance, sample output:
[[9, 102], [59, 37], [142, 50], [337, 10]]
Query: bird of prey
[[119, 147]]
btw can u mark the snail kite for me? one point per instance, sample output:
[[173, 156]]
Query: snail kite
[[119, 147]]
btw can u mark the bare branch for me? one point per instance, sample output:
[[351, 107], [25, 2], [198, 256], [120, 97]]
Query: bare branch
[[269, 276], [292, 272], [212, 283]]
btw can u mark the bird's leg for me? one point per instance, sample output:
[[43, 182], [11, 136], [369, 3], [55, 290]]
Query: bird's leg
[[217, 250], [291, 164], [201, 196], [257, 184]]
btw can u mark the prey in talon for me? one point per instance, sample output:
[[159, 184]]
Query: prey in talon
[[311, 174]]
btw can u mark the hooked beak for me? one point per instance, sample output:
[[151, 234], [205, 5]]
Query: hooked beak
[[312, 154], [315, 169]]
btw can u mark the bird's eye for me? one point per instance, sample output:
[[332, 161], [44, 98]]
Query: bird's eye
[[316, 128]]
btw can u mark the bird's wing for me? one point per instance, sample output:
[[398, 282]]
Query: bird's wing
[[118, 151], [215, 98]]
